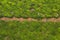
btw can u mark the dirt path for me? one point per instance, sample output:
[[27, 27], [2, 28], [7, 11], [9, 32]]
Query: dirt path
[[31, 19]]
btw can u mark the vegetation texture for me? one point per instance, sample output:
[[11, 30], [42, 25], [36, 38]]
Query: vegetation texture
[[15, 30], [30, 8]]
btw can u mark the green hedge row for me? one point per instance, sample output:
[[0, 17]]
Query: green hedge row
[[30, 8], [15, 30]]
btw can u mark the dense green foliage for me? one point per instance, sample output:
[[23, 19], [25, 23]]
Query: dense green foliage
[[15, 30], [30, 8]]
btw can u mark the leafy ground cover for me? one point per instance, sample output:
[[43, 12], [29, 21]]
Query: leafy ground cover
[[31, 8], [15, 30]]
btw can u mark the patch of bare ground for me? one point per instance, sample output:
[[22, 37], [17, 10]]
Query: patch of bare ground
[[32, 19], [44, 20], [29, 19], [52, 20], [58, 19]]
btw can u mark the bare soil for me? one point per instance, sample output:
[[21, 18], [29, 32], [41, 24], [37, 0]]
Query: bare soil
[[31, 19]]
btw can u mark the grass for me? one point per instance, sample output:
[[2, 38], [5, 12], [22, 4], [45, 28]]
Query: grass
[[31, 8], [15, 30]]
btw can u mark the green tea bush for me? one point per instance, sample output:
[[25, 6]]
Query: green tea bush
[[30, 8], [15, 30]]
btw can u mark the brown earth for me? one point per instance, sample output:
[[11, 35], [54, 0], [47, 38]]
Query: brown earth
[[31, 19]]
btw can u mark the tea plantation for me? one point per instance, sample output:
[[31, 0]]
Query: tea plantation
[[15, 30], [30, 8]]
